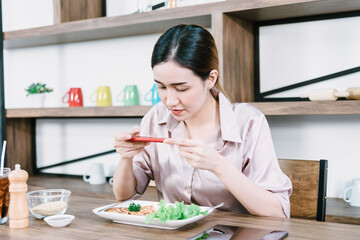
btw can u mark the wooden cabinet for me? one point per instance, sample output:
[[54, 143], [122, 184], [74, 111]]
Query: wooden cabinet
[[231, 22]]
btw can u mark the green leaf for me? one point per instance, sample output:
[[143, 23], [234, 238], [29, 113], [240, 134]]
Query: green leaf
[[178, 212]]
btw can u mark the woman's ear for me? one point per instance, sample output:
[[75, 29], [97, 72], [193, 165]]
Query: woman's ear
[[212, 79]]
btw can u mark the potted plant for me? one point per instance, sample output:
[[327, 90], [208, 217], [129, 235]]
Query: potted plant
[[37, 92]]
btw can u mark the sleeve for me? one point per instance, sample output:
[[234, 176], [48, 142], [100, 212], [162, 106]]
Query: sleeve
[[261, 163]]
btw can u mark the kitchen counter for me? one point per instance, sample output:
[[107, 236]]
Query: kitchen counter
[[87, 225]]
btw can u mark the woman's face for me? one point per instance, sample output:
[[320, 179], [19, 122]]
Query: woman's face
[[180, 89]]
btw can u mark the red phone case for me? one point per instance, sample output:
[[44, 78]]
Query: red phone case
[[146, 139]]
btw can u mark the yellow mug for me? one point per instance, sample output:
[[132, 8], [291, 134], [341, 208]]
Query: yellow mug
[[103, 96]]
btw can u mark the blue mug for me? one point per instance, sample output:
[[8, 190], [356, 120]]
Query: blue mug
[[154, 95]]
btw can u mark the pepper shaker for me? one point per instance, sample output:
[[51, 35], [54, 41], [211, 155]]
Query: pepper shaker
[[18, 208]]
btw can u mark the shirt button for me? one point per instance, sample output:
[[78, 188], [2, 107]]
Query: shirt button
[[188, 191]]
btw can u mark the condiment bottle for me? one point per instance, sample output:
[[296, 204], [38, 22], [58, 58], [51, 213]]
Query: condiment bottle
[[18, 208]]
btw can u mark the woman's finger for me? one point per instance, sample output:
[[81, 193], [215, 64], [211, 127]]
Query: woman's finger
[[121, 136]]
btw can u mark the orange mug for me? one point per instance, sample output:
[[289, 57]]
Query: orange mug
[[75, 97]]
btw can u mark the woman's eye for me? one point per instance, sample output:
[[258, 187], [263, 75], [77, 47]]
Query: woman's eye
[[161, 87], [181, 89]]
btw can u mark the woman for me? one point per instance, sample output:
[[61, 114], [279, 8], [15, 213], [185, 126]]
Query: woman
[[216, 151]]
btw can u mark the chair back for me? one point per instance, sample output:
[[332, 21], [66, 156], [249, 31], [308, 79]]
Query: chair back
[[309, 181]]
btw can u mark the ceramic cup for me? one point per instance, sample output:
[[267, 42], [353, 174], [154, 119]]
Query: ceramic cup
[[152, 95], [354, 199], [95, 174], [103, 96], [129, 96], [75, 97]]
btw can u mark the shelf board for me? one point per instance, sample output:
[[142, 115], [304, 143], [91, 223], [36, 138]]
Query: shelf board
[[106, 27], [309, 108], [78, 112], [160, 20], [268, 108]]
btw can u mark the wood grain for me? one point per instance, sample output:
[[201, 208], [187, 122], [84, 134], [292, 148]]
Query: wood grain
[[88, 225], [309, 108], [238, 58], [20, 135], [159, 21], [125, 111], [337, 210], [69, 10], [304, 176], [268, 108]]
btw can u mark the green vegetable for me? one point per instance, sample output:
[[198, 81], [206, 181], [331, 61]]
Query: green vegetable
[[134, 207], [204, 236], [178, 212]]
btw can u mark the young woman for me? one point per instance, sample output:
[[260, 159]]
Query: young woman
[[215, 152]]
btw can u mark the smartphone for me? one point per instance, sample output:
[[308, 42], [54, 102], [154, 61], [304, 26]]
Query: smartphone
[[225, 232], [146, 139]]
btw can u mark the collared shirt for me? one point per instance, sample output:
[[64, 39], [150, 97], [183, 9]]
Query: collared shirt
[[244, 139]]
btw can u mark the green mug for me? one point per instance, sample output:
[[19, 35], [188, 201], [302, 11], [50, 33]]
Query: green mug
[[129, 96]]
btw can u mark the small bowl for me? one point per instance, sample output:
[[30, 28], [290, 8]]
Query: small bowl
[[48, 202], [59, 220]]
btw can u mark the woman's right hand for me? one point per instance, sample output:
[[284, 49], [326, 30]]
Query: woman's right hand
[[128, 149]]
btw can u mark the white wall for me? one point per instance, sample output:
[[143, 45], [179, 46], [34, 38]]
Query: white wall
[[295, 52], [121, 61]]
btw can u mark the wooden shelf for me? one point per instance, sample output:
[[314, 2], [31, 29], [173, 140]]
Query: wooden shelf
[[337, 210], [309, 108], [78, 112], [268, 108], [160, 20]]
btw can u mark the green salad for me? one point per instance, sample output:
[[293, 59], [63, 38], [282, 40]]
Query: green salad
[[178, 212]]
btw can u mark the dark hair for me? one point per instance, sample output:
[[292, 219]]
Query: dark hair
[[191, 46]]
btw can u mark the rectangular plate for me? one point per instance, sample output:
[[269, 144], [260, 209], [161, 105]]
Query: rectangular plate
[[140, 220]]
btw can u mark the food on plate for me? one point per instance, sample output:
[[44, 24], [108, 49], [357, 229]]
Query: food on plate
[[133, 209], [178, 212]]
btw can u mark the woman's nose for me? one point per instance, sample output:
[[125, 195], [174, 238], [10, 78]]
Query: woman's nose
[[171, 99]]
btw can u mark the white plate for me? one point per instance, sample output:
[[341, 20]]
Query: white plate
[[140, 220]]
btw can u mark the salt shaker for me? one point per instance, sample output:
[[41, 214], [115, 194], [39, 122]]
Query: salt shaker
[[18, 208]]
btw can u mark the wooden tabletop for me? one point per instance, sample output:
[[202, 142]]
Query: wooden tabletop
[[87, 225]]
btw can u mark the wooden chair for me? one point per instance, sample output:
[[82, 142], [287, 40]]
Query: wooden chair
[[309, 181]]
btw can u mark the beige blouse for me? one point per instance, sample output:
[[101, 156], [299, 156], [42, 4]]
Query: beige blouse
[[244, 139]]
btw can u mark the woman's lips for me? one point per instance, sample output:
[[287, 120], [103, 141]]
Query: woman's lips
[[176, 112]]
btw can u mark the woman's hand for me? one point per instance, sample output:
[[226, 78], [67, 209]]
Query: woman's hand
[[128, 149], [197, 153]]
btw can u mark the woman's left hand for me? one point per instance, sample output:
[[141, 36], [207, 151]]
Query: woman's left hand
[[197, 153]]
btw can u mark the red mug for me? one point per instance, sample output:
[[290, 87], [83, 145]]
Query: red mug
[[75, 97]]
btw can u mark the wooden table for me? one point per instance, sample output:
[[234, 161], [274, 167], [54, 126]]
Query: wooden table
[[87, 225]]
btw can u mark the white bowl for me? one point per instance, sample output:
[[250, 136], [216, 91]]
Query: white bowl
[[59, 220]]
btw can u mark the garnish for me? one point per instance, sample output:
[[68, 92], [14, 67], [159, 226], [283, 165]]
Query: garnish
[[134, 207], [178, 212], [204, 236]]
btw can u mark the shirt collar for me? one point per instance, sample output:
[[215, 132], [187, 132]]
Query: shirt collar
[[228, 126]]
